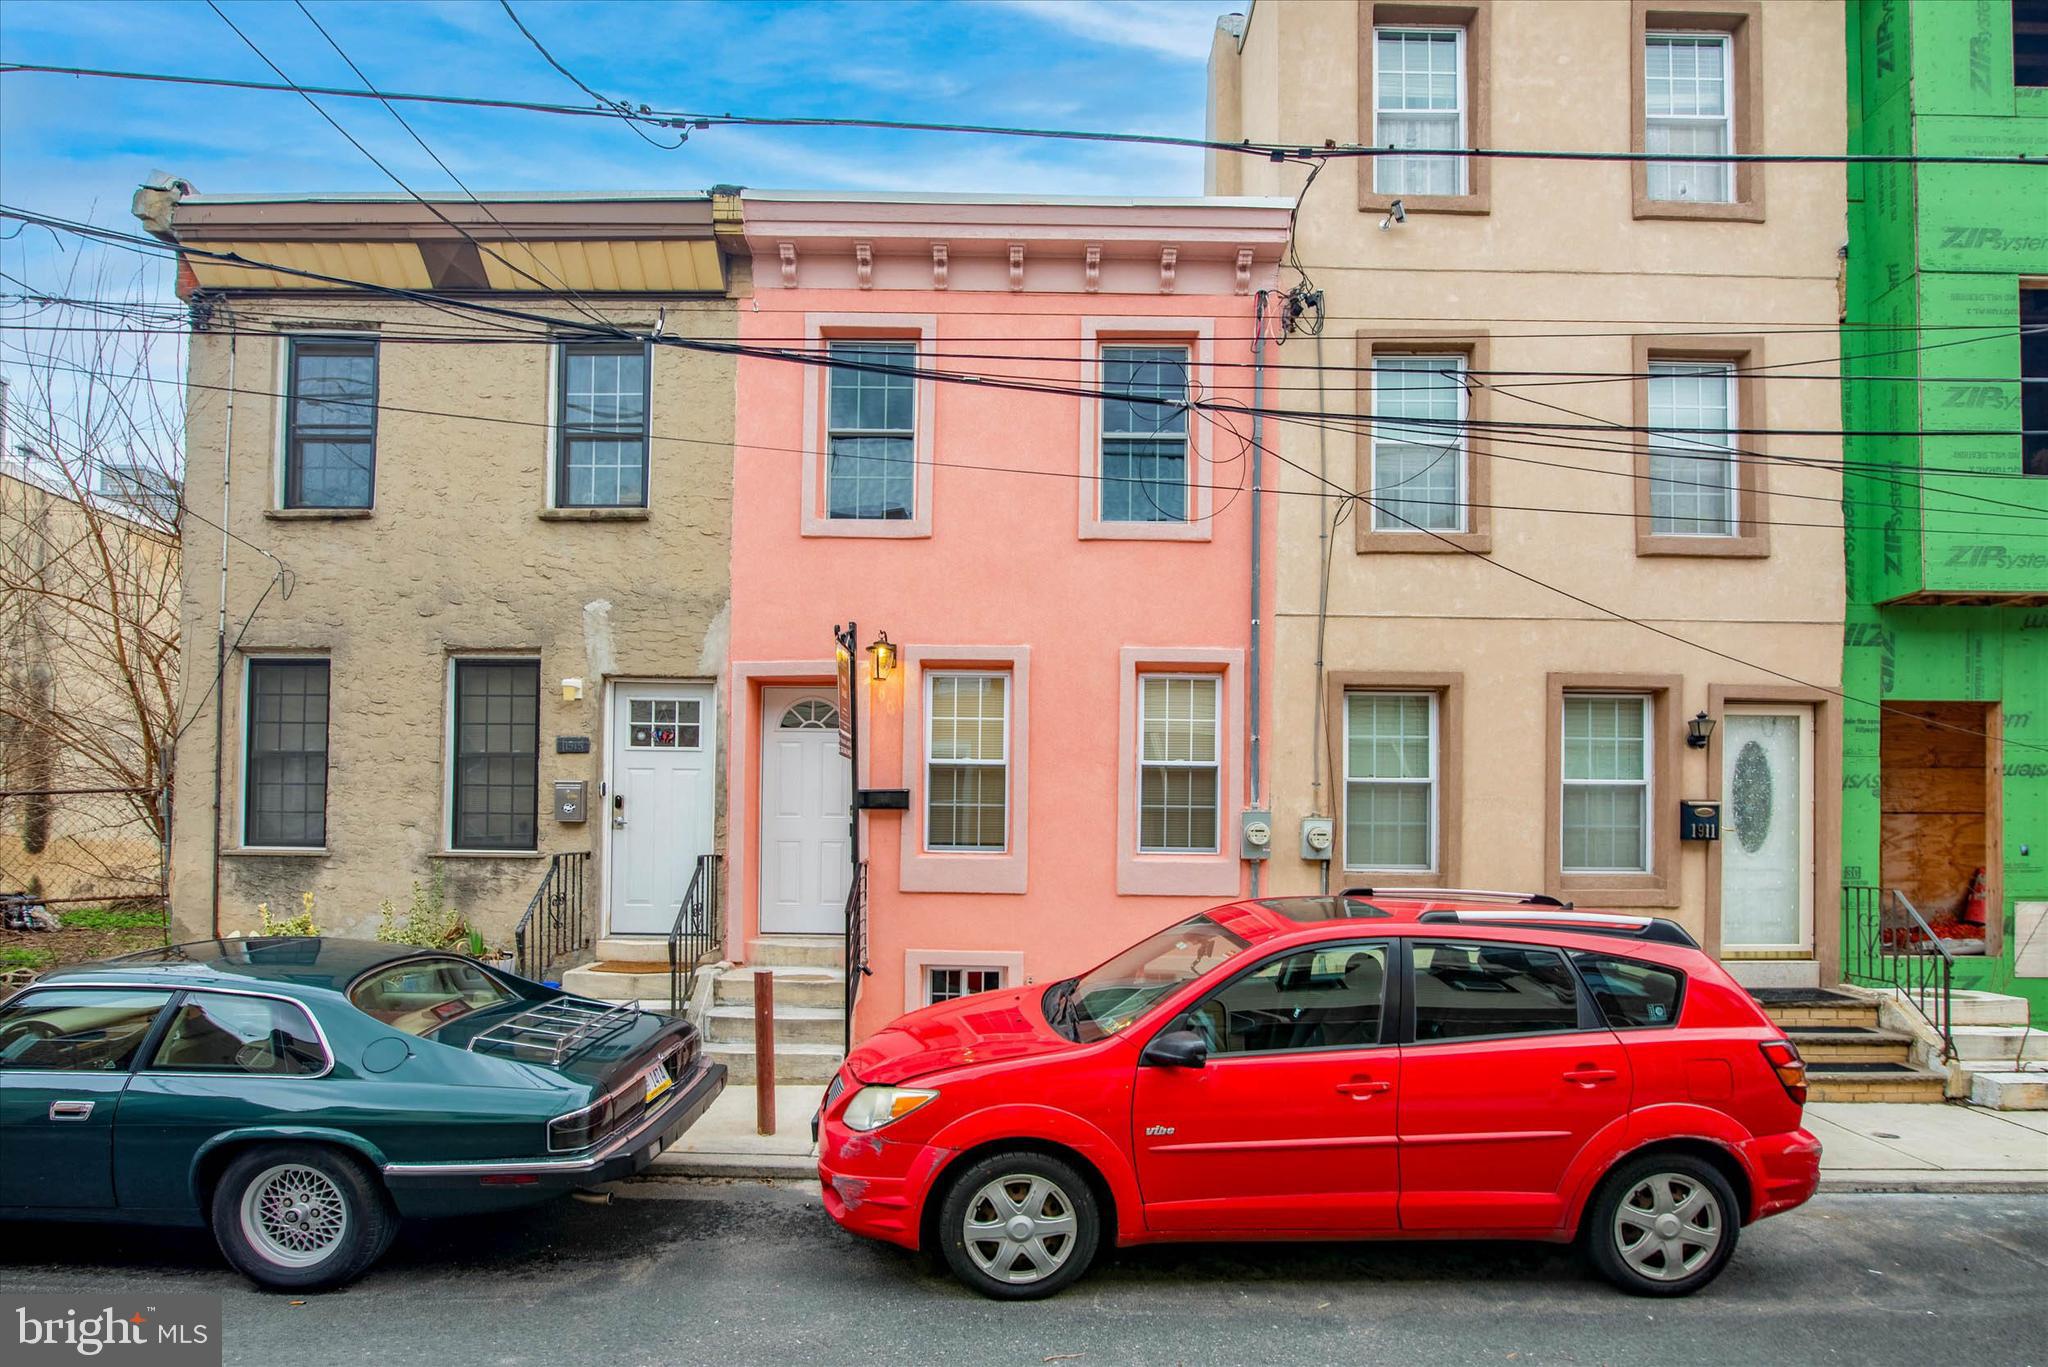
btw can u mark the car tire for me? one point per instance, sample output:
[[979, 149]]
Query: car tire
[[1060, 1229], [300, 1216], [1664, 1224]]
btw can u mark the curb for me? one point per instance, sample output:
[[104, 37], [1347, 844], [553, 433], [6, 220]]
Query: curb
[[673, 1166], [1935, 1184]]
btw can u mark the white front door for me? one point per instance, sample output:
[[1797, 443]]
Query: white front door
[[1767, 829], [805, 793], [659, 800]]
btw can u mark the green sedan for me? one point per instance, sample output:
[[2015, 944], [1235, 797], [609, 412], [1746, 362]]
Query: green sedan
[[299, 1096]]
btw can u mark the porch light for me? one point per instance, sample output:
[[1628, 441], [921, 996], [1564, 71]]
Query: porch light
[[1699, 731], [883, 654]]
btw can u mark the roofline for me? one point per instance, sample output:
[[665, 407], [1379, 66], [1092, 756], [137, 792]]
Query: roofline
[[993, 200], [450, 197]]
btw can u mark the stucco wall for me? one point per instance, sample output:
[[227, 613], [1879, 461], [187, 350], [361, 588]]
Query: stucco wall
[[456, 557]]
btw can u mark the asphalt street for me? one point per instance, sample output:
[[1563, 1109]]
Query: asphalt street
[[742, 1274]]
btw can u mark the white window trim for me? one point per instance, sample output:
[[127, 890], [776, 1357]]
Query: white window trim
[[247, 719], [552, 460], [931, 678], [820, 329], [917, 963], [922, 870], [1733, 484], [280, 441], [1138, 757], [1461, 363], [1726, 43], [449, 849], [1435, 781], [931, 997], [1464, 164], [1184, 873], [1647, 784], [1198, 335]]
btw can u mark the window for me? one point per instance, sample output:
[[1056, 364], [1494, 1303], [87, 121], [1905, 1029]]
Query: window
[[1419, 102], [497, 754], [1693, 485], [871, 431], [1631, 995], [1687, 108], [601, 453], [1477, 991], [967, 744], [2030, 44], [1108, 997], [1418, 472], [422, 995], [1605, 811], [664, 724], [946, 984], [330, 456], [1390, 780], [1179, 770], [2034, 369], [1329, 997], [76, 1031], [1145, 434], [215, 1033], [284, 782]]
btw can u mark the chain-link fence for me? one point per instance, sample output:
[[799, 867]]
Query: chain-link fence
[[83, 847]]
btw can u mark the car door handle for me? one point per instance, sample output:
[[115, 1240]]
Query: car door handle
[[1363, 1089], [1586, 1075], [71, 1110]]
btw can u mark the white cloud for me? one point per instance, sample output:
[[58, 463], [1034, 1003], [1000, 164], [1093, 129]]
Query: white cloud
[[1173, 28]]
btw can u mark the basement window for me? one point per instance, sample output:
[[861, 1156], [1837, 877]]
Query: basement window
[[2030, 43]]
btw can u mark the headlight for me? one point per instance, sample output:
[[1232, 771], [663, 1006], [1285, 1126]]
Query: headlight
[[874, 1107]]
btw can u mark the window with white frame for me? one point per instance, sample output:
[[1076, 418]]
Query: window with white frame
[[1419, 99], [330, 417], [1145, 434], [1418, 442], [1180, 776], [1606, 799], [1390, 780], [871, 431], [947, 984], [967, 761], [1688, 109], [601, 419], [1693, 488]]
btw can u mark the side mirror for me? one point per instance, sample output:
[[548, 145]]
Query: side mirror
[[1175, 1049]]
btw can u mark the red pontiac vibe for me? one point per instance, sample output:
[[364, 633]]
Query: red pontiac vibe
[[1383, 1064]]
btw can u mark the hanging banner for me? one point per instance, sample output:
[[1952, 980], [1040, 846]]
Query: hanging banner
[[845, 703]]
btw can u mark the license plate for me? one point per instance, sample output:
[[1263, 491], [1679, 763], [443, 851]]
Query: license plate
[[656, 1080]]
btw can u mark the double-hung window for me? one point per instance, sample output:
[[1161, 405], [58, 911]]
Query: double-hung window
[[1688, 110], [330, 438], [1693, 488], [284, 782], [1390, 781], [1179, 768], [1419, 106], [495, 784], [1605, 805], [1145, 434], [871, 431], [1418, 442], [2034, 373], [967, 761], [947, 984], [601, 415]]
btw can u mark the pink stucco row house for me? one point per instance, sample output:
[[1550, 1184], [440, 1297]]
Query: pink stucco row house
[[1066, 579]]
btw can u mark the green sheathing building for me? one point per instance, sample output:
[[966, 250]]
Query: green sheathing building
[[1947, 618]]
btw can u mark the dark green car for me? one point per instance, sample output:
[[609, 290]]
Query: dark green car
[[300, 1095]]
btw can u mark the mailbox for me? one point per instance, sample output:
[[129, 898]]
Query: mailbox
[[569, 800], [1699, 820]]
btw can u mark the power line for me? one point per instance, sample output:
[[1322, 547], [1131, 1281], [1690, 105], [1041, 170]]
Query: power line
[[619, 107]]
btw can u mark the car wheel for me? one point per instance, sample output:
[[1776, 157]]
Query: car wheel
[[1663, 1225], [1019, 1226], [301, 1216]]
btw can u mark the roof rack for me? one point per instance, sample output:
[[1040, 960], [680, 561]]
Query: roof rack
[[556, 1029], [1655, 929], [1528, 898]]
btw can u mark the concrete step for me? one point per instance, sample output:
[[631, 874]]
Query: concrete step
[[1975, 1007], [1822, 1045], [1873, 1082], [617, 982], [793, 987], [2000, 1043], [633, 949], [793, 1062], [2010, 1091], [793, 1025], [794, 951], [1790, 1017]]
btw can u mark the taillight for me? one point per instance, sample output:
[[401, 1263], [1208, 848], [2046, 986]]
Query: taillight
[[1790, 1068]]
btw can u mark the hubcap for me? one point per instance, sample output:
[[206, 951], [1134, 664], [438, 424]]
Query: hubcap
[[294, 1215], [1020, 1228], [1668, 1226]]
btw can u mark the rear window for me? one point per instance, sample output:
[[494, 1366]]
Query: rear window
[[1632, 995], [422, 995]]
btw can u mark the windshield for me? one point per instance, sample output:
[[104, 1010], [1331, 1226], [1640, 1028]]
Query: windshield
[[1106, 999], [422, 995]]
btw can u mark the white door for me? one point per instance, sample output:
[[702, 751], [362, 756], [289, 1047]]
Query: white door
[[659, 800], [805, 792], [1767, 829]]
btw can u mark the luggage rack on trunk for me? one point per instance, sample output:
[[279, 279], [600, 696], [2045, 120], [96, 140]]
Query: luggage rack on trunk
[[555, 1029]]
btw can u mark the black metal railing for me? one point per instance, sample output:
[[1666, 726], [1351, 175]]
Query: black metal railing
[[696, 933], [556, 923], [856, 942], [1890, 945]]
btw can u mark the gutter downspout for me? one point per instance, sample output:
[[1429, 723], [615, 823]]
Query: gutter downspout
[[1258, 548], [1325, 533], [220, 645]]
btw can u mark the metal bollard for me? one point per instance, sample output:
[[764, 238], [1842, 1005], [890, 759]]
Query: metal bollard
[[764, 1051]]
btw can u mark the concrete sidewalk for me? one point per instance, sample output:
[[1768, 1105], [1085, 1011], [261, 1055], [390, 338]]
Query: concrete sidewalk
[[1865, 1146]]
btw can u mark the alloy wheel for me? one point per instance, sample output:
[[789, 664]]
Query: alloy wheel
[[1020, 1228], [1668, 1226], [294, 1215]]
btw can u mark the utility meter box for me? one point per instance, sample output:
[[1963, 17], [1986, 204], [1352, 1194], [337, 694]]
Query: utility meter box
[[1318, 833], [1255, 835], [570, 800]]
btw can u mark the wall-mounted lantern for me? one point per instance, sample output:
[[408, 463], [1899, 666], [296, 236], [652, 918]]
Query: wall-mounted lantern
[[882, 654], [1699, 731]]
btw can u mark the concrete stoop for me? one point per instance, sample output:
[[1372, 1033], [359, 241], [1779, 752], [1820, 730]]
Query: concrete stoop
[[1852, 1052], [810, 1005], [2000, 1062]]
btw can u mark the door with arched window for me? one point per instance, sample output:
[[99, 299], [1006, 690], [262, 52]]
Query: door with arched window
[[804, 807]]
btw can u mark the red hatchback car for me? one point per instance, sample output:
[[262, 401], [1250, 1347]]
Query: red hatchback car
[[1391, 1064]]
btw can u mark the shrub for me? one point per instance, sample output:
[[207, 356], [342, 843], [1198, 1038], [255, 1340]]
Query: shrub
[[430, 923], [301, 924]]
